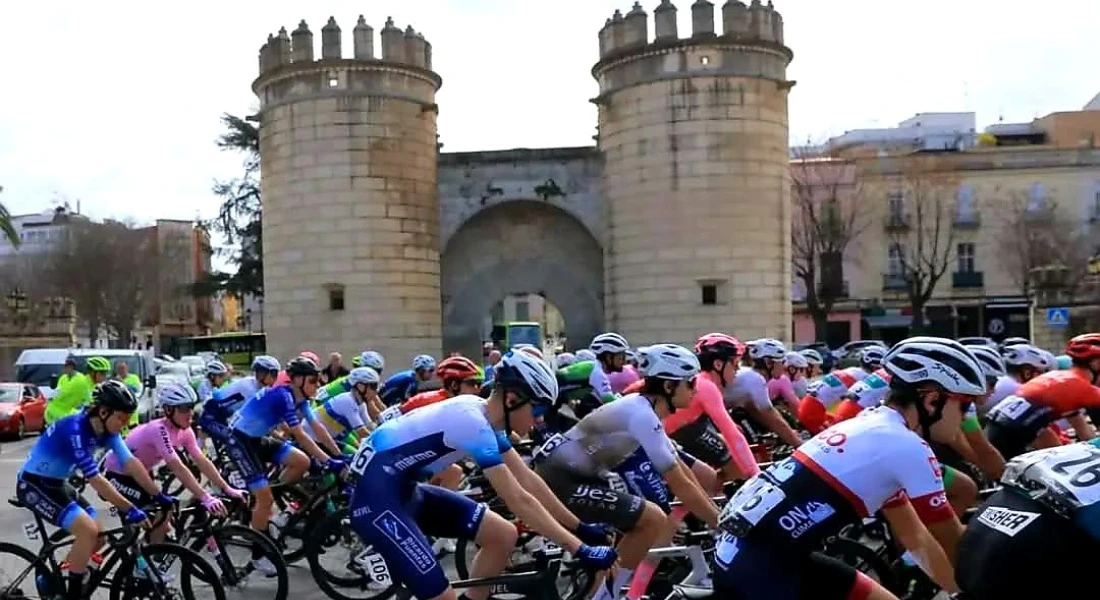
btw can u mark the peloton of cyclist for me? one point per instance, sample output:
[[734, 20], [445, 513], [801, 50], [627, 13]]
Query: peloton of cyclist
[[345, 415], [225, 401], [825, 393], [748, 389], [403, 385], [214, 376]]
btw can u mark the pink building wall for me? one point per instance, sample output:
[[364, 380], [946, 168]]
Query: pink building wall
[[804, 326]]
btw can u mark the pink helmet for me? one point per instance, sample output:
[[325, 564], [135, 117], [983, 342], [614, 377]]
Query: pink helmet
[[311, 355], [718, 346]]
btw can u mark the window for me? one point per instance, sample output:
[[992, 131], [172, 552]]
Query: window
[[895, 260], [710, 294], [964, 253], [965, 208], [1036, 198], [712, 291], [335, 297], [896, 204], [523, 310]]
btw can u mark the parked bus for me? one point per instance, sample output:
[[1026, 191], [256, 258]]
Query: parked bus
[[235, 348], [523, 332]]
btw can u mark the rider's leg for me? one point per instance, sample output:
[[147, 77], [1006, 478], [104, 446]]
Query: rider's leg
[[85, 539], [497, 539], [295, 464]]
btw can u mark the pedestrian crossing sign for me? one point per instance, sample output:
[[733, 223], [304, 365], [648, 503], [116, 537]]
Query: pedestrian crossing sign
[[1058, 317]]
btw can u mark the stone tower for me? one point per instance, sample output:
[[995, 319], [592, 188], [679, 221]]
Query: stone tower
[[350, 202], [693, 130]]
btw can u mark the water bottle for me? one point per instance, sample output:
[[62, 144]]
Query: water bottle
[[43, 584], [141, 567]]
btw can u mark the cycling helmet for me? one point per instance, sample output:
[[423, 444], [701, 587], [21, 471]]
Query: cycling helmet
[[266, 363], [311, 355], [812, 356], [564, 359], [718, 346], [98, 364], [767, 348], [872, 357], [585, 354], [1020, 355], [301, 366], [1084, 348], [177, 394], [365, 375], [990, 360], [458, 368], [114, 395], [531, 376], [531, 350], [356, 361], [940, 360], [609, 343], [423, 361], [216, 367], [1015, 341], [1049, 362], [631, 356], [667, 361], [372, 359], [1063, 362], [795, 360]]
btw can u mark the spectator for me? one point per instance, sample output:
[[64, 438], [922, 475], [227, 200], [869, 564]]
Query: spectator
[[335, 368], [68, 372], [491, 363]]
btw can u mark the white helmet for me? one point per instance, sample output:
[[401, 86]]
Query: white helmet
[[530, 349], [266, 363], [940, 360], [812, 356], [533, 377], [668, 361], [423, 361], [796, 361], [216, 367], [177, 394], [365, 375], [612, 343], [564, 359], [872, 356], [1019, 355], [585, 354], [372, 359], [992, 364], [767, 348], [1049, 360]]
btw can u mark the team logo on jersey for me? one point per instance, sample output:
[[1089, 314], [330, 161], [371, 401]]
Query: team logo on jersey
[[800, 519], [1005, 520]]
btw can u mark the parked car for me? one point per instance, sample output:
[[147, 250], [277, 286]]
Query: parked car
[[42, 367], [854, 348], [22, 409], [978, 341], [197, 364]]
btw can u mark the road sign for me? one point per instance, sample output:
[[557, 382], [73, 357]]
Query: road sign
[[996, 326], [1058, 317]]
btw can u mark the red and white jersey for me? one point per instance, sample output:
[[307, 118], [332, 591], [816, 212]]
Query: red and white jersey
[[872, 390], [874, 460], [831, 387]]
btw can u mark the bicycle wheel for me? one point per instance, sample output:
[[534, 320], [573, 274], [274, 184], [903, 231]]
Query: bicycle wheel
[[573, 582], [290, 536], [233, 550], [195, 578], [343, 567], [21, 574]]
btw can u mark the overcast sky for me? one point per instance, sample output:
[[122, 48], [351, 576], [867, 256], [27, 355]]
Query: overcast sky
[[116, 103]]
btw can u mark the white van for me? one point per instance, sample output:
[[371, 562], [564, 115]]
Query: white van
[[42, 367]]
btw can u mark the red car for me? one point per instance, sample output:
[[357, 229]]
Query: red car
[[22, 409]]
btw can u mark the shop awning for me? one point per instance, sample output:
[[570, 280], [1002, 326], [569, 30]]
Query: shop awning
[[888, 321]]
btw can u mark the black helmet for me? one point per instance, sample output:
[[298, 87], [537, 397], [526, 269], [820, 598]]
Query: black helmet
[[115, 396], [301, 366]]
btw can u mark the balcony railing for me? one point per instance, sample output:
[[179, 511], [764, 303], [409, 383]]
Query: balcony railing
[[968, 279], [894, 282], [896, 221], [966, 220]]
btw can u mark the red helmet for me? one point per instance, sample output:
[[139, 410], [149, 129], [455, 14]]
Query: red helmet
[[718, 346], [1084, 347], [458, 368], [311, 356]]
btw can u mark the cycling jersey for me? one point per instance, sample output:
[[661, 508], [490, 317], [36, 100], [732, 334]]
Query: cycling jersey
[[822, 395], [225, 401], [1017, 420], [619, 381], [590, 372], [154, 443], [334, 388], [865, 394], [800, 386], [204, 389], [265, 411], [399, 387], [575, 384], [342, 415], [423, 399], [392, 512], [747, 387], [707, 432], [781, 388], [69, 445], [1006, 386], [75, 394]]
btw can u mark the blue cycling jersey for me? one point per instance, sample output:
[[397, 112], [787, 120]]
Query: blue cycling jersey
[[266, 410], [430, 439], [70, 444], [227, 400], [399, 388]]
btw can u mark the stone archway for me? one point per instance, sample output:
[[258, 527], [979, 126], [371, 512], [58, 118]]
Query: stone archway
[[518, 247]]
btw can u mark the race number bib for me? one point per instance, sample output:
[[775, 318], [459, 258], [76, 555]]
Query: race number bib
[[749, 506], [389, 414], [1009, 409], [548, 446], [362, 458], [1073, 469]]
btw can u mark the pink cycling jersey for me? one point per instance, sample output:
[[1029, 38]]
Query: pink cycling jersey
[[707, 401], [156, 442], [781, 388], [619, 381]]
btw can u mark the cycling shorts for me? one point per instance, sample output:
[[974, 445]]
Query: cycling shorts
[[642, 479], [1014, 546], [1009, 441], [702, 440], [130, 489], [593, 499], [57, 502], [252, 455], [393, 517], [751, 570]]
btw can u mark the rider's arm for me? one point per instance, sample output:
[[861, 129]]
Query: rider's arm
[[985, 455], [108, 492], [1085, 432], [528, 508], [375, 408], [762, 410], [782, 388], [205, 465], [85, 461], [601, 385], [531, 482], [647, 430], [926, 551], [920, 476], [683, 484], [294, 426], [320, 430], [715, 409]]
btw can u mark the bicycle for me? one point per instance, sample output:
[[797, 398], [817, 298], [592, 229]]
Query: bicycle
[[139, 568]]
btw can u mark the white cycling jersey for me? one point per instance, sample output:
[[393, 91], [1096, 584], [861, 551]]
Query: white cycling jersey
[[745, 388], [1006, 386], [245, 387], [347, 412], [831, 388], [872, 390]]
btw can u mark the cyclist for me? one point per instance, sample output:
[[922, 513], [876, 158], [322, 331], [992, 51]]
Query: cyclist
[[825, 393], [402, 386], [1023, 419], [392, 512], [460, 376], [78, 391], [749, 388], [584, 354], [251, 448], [864, 394], [797, 371], [781, 385], [226, 401], [627, 436], [155, 443], [610, 350], [345, 415], [564, 360], [626, 376], [69, 445], [774, 526], [1044, 519], [215, 376], [1023, 362], [816, 363]]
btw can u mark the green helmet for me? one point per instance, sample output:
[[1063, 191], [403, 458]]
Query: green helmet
[[356, 362], [99, 364]]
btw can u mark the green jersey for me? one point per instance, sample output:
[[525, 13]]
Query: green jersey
[[585, 378], [70, 398], [335, 388]]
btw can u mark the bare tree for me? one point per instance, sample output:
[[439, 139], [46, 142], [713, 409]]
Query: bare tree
[[82, 267], [920, 229], [826, 220], [128, 296], [1045, 250]]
